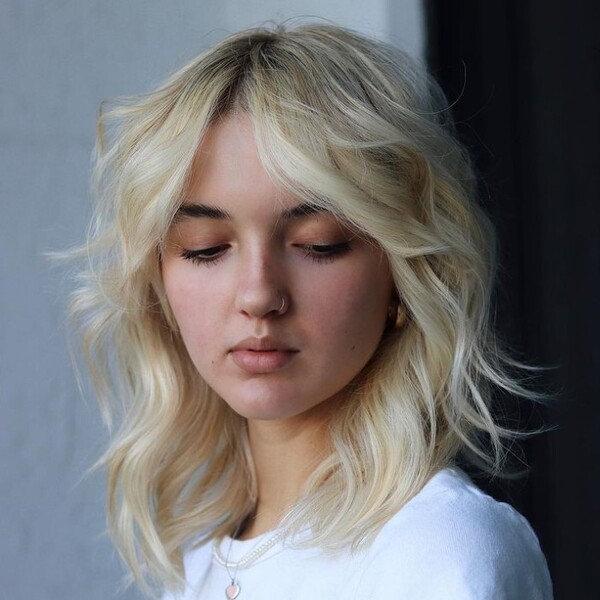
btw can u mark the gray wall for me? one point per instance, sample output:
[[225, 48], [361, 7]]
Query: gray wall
[[58, 59]]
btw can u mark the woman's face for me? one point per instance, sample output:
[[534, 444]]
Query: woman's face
[[279, 307]]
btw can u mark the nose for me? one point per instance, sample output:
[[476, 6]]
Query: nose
[[261, 290]]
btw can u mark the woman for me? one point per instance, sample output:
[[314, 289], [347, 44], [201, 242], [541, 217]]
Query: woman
[[288, 296]]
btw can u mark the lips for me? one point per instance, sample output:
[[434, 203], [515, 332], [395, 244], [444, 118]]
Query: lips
[[261, 355]]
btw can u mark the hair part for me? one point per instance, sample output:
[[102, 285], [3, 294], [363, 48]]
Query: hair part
[[345, 123]]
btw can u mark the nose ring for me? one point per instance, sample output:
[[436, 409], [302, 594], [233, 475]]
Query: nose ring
[[281, 309]]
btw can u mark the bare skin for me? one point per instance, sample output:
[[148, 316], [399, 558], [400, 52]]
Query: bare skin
[[285, 453]]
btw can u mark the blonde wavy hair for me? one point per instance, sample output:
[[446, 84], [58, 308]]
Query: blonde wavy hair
[[352, 125]]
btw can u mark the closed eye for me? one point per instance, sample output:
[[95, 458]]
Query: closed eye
[[325, 252], [316, 252], [205, 256]]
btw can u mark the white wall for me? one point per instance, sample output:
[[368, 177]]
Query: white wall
[[58, 59]]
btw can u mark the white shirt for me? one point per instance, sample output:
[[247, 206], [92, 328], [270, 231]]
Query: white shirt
[[450, 542]]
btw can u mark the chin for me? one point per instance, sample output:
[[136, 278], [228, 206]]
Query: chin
[[281, 406], [267, 403], [262, 410]]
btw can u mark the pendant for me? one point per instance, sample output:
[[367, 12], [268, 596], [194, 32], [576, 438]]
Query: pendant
[[232, 591]]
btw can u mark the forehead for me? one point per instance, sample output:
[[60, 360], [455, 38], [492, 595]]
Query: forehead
[[228, 178], [227, 151], [227, 168]]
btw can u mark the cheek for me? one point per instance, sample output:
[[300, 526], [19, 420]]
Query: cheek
[[178, 289], [190, 305], [352, 305]]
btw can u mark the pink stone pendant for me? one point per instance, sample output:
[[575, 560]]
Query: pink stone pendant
[[232, 591]]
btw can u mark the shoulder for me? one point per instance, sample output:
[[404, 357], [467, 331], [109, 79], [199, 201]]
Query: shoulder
[[451, 508], [453, 539], [196, 561]]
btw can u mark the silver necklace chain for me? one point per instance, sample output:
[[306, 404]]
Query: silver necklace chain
[[248, 558], [234, 589]]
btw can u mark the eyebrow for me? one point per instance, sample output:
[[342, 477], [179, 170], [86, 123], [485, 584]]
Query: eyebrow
[[302, 210], [199, 211]]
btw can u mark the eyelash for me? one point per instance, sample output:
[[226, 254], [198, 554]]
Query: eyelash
[[206, 256], [319, 253]]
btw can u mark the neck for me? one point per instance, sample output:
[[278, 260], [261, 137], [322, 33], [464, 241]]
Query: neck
[[285, 453]]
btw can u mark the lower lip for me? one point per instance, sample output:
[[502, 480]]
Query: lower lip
[[259, 361]]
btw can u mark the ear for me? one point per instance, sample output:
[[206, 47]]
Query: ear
[[400, 317], [396, 316]]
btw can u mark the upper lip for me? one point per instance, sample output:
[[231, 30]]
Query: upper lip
[[262, 344]]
